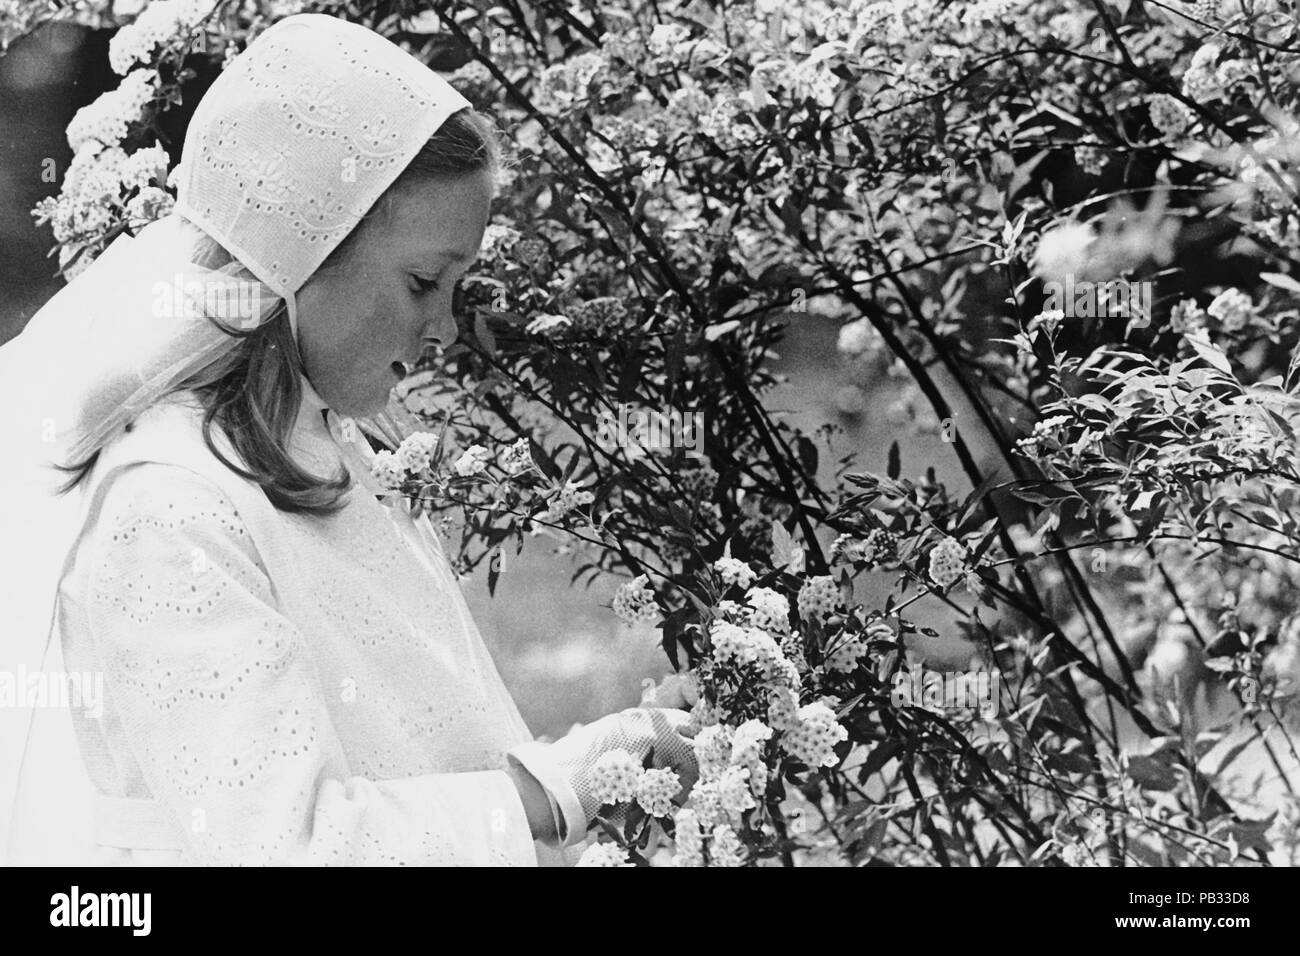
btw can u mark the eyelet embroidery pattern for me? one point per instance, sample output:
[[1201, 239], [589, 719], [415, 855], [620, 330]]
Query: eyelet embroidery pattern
[[255, 698], [358, 119]]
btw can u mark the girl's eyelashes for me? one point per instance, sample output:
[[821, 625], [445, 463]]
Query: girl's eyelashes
[[422, 284]]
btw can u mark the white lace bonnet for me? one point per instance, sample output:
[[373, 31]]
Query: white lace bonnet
[[297, 139]]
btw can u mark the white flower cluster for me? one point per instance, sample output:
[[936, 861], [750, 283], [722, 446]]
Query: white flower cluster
[[768, 610], [747, 745], [814, 735], [415, 453], [847, 650], [472, 462], [726, 848], [991, 10], [844, 654], [94, 186], [604, 855], [1206, 80], [667, 38], [1032, 443], [498, 239], [818, 597], [518, 458], [1186, 317], [614, 777], [106, 120], [157, 25], [656, 789], [1232, 308], [733, 774], [562, 86], [722, 121], [782, 708], [734, 571], [388, 470], [859, 337], [948, 562], [617, 777], [742, 646], [635, 601], [1170, 116], [1064, 249], [688, 842], [792, 647], [571, 496]]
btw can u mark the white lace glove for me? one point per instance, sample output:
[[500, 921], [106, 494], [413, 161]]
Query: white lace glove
[[564, 767]]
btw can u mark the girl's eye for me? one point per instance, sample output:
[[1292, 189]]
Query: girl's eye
[[425, 285]]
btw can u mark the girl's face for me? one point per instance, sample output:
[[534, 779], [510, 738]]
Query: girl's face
[[390, 295]]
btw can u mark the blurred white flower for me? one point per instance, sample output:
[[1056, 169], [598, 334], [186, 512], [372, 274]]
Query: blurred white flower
[[858, 337], [1232, 308], [1063, 250], [385, 467]]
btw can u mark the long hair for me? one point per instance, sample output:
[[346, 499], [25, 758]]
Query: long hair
[[253, 391]]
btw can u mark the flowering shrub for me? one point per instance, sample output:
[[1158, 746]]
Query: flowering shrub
[[1068, 228]]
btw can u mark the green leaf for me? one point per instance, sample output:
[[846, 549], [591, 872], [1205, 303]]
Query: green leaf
[[1207, 350]]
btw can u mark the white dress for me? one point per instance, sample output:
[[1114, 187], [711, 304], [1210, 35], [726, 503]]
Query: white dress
[[281, 688]]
